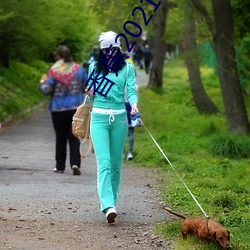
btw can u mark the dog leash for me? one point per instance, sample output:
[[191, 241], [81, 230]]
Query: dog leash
[[174, 170]]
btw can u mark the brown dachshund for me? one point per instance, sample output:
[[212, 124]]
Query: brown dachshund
[[204, 229]]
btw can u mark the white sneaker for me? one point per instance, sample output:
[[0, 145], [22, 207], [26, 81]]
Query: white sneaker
[[130, 156], [58, 171], [111, 214]]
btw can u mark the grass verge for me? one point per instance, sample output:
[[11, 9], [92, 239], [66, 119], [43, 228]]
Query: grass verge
[[214, 164], [19, 89]]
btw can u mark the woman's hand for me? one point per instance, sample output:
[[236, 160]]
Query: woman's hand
[[89, 92], [43, 79], [134, 109]]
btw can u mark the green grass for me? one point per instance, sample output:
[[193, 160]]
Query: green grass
[[19, 87], [214, 164]]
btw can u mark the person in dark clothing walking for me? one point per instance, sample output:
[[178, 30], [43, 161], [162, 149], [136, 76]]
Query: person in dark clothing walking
[[147, 58], [138, 56], [65, 84]]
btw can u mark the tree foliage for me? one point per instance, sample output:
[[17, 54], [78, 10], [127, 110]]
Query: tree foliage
[[241, 18], [28, 32], [242, 34], [175, 25], [113, 14]]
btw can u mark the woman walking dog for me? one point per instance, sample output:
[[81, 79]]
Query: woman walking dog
[[109, 123]]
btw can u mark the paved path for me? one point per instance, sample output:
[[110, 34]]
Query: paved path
[[30, 190], [26, 163], [141, 78]]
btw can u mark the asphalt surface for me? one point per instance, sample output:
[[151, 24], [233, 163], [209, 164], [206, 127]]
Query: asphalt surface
[[31, 190], [26, 164]]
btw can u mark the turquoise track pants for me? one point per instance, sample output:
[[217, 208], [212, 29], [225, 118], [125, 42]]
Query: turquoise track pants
[[108, 135]]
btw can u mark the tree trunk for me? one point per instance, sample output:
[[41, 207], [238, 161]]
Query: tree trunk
[[235, 109], [159, 47], [201, 99]]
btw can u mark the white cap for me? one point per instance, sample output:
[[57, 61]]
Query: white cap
[[108, 38]]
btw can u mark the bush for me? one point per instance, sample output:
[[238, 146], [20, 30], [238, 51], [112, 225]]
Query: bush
[[231, 146], [224, 200]]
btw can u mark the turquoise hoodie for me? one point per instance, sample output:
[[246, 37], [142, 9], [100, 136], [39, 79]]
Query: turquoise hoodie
[[124, 83]]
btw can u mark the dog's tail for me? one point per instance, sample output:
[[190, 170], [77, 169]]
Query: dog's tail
[[175, 213]]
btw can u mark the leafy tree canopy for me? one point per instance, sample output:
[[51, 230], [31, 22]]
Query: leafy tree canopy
[[33, 32]]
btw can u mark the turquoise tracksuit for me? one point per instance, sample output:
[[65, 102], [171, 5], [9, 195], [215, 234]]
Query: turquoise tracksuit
[[109, 129]]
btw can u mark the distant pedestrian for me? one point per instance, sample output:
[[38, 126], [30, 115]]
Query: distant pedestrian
[[93, 55], [138, 56], [65, 85], [147, 54], [131, 129], [130, 133]]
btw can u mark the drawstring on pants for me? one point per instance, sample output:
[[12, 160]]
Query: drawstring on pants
[[111, 118], [110, 112]]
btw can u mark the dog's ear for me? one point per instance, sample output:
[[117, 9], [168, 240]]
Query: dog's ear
[[228, 237], [214, 235]]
